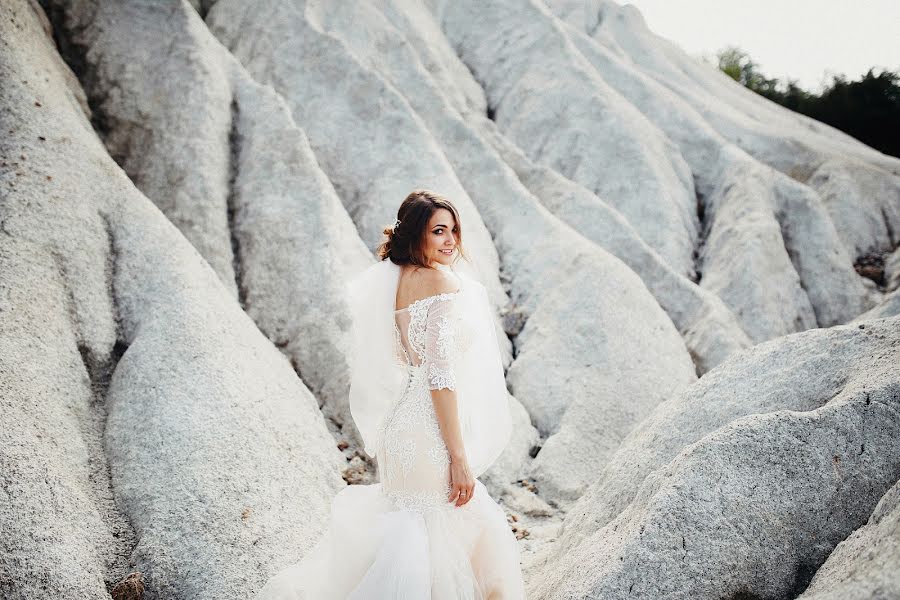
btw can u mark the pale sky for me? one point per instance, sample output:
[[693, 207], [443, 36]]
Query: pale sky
[[800, 39]]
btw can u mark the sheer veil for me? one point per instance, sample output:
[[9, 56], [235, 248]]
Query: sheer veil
[[378, 377]]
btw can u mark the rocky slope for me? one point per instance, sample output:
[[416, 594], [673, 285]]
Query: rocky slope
[[698, 291]]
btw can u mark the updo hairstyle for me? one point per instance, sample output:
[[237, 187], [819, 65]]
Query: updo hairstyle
[[405, 239]]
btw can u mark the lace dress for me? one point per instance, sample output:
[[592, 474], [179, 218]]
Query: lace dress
[[401, 538]]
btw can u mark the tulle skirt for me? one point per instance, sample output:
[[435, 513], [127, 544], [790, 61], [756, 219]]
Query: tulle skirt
[[378, 549]]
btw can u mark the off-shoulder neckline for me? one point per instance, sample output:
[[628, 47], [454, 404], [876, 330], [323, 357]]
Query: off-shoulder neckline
[[414, 302]]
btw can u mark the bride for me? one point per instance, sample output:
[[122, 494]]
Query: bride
[[428, 396]]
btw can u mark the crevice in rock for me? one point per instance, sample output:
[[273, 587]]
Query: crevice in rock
[[697, 361], [490, 107], [67, 36], [802, 577], [871, 266], [786, 241], [360, 468], [513, 320], [232, 203], [592, 29], [512, 317], [203, 7], [72, 53], [100, 365], [892, 235], [702, 234]]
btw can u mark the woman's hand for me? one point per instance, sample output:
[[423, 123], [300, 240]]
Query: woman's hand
[[462, 484]]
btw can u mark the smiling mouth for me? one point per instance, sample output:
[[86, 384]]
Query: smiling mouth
[[447, 252]]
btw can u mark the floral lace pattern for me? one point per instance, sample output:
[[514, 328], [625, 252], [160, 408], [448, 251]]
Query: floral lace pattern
[[420, 501], [413, 459], [438, 455], [446, 337], [413, 413], [440, 378], [404, 451]]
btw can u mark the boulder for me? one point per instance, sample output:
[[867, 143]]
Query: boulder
[[745, 482], [865, 564], [146, 424], [221, 156]]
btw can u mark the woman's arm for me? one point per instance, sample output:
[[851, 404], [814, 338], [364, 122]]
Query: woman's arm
[[462, 484], [444, 400], [440, 354]]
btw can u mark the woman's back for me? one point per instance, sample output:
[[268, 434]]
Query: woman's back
[[417, 293]]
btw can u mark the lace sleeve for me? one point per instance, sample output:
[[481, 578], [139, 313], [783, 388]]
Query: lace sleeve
[[440, 344]]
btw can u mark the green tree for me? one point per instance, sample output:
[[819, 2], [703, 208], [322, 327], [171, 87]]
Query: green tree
[[732, 61], [868, 109], [738, 65]]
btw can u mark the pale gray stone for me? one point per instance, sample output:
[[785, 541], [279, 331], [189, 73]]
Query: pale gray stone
[[888, 306], [750, 270], [790, 142], [745, 482], [709, 329], [866, 564], [863, 201], [365, 135], [223, 159], [147, 424], [548, 100]]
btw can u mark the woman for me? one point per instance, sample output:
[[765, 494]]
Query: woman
[[428, 396]]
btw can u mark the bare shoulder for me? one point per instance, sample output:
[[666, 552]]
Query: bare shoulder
[[422, 283], [438, 282]]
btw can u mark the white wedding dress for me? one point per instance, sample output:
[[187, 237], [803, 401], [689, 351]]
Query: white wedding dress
[[401, 538]]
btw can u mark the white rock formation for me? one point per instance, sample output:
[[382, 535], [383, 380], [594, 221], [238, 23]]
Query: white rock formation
[[745, 482], [638, 219], [570, 290], [780, 221], [222, 157], [365, 135], [710, 331], [147, 424], [548, 100], [865, 564], [792, 143]]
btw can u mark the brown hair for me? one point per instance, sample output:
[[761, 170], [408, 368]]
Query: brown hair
[[403, 245]]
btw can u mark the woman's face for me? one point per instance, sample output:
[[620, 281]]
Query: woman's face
[[440, 237]]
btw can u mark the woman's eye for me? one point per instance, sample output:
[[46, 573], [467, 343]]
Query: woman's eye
[[439, 231]]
